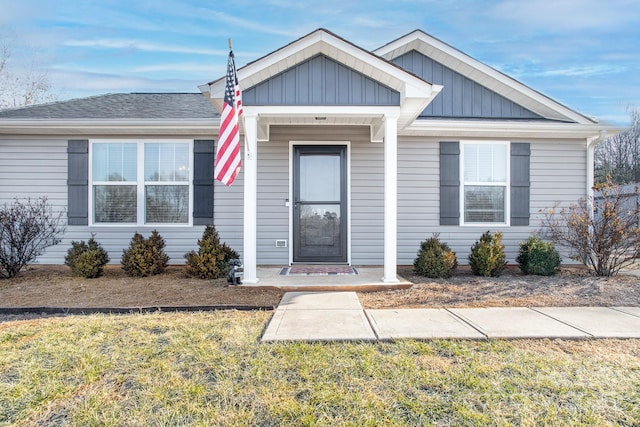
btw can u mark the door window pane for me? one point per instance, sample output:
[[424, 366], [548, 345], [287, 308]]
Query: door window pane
[[320, 227], [320, 178]]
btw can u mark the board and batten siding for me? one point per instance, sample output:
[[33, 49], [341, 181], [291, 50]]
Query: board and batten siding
[[460, 96], [320, 81], [38, 168], [557, 174]]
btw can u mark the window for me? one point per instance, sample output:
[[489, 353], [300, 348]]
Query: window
[[485, 179], [141, 182]]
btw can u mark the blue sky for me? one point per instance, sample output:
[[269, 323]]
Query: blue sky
[[582, 53]]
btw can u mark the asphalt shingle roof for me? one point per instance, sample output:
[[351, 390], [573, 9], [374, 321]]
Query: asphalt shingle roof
[[120, 106]]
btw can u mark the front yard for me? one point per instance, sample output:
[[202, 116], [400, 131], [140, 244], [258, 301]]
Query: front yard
[[209, 369]]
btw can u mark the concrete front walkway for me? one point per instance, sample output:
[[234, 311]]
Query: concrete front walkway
[[331, 316]]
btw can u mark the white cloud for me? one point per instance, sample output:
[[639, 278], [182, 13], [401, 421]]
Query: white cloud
[[143, 46], [75, 83], [584, 70], [276, 29], [217, 69], [559, 16]]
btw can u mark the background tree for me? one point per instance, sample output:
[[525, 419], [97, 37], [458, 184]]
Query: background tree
[[22, 81], [619, 155]]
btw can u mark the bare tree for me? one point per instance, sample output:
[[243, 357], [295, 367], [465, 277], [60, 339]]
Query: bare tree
[[618, 157], [22, 85]]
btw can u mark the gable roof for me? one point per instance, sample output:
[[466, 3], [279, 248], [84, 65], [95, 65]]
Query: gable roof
[[119, 106], [483, 74], [320, 81], [415, 93]]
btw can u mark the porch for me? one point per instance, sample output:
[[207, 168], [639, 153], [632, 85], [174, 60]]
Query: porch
[[366, 279]]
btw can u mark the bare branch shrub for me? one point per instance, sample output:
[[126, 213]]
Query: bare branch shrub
[[26, 230], [605, 239]]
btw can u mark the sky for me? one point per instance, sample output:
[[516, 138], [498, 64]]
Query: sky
[[584, 54]]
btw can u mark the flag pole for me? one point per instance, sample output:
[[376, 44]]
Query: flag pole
[[241, 118]]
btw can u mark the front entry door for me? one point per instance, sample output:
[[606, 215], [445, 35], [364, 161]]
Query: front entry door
[[319, 203]]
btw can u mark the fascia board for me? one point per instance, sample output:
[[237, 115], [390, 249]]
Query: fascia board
[[472, 128], [109, 127]]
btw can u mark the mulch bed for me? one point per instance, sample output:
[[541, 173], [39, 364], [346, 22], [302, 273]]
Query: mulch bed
[[572, 286], [53, 286]]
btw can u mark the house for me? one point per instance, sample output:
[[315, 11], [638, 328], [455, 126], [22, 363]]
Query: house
[[349, 156]]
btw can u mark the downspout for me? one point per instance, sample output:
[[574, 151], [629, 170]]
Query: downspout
[[591, 148]]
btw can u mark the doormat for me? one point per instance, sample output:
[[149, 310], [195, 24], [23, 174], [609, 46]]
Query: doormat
[[318, 270]]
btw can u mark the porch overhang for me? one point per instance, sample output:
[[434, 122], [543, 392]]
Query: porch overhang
[[373, 117]]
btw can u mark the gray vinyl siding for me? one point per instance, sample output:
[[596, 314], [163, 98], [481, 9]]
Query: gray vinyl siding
[[558, 173], [320, 81], [273, 191], [461, 97], [38, 167], [228, 211], [34, 169]]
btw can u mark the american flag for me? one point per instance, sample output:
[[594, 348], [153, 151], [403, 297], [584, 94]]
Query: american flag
[[228, 160]]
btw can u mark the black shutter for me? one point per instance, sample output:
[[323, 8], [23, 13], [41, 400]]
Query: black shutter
[[203, 182], [520, 184], [78, 182], [449, 183]]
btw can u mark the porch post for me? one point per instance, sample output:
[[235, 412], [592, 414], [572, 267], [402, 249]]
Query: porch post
[[250, 196], [390, 198]]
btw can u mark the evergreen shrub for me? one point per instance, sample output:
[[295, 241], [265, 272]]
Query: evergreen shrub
[[145, 257], [86, 259], [435, 259], [538, 257], [487, 257], [212, 259]]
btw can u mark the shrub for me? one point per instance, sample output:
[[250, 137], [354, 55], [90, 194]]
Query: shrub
[[26, 230], [538, 257], [605, 239], [487, 256], [145, 257], [212, 259], [86, 259], [435, 259]]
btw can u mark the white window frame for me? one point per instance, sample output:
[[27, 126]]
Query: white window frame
[[140, 183], [506, 184]]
